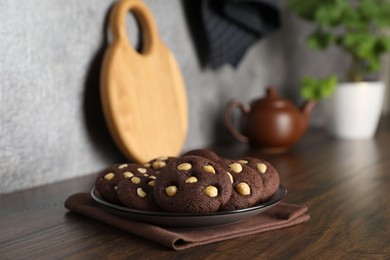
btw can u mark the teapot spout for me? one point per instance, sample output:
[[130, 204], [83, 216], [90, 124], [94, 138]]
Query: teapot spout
[[307, 108]]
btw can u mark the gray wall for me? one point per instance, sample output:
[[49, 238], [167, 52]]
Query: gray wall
[[51, 126]]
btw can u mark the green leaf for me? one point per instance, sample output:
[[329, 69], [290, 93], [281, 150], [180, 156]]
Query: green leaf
[[382, 17], [373, 64], [361, 45], [327, 86], [353, 21], [365, 50], [330, 13], [320, 39], [382, 45], [307, 88], [368, 8], [316, 89]]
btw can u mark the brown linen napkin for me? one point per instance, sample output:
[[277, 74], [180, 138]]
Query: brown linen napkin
[[280, 216]]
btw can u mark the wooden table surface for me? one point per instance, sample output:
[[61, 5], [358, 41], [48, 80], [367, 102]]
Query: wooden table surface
[[345, 184]]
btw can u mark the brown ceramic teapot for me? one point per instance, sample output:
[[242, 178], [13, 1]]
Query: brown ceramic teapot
[[271, 123]]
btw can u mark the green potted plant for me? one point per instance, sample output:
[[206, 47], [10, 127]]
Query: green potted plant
[[359, 29]]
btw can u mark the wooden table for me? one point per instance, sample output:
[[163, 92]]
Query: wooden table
[[345, 184]]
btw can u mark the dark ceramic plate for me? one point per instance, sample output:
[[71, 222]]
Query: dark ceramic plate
[[189, 220]]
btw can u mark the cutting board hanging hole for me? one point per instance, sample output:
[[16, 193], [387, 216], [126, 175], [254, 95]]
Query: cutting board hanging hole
[[134, 31]]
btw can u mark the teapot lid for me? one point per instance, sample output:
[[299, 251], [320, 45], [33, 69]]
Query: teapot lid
[[272, 92], [272, 99]]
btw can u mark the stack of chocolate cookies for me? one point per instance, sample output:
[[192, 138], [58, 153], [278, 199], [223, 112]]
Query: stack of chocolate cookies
[[199, 181]]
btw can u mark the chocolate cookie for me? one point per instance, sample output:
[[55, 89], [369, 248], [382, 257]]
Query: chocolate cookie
[[137, 192], [248, 186], [268, 173], [107, 181], [192, 184], [205, 153]]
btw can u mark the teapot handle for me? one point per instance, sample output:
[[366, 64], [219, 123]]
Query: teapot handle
[[245, 109]]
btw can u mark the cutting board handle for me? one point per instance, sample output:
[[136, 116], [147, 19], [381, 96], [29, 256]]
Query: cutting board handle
[[147, 25]]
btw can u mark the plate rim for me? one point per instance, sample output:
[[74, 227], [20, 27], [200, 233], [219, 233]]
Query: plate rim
[[276, 198]]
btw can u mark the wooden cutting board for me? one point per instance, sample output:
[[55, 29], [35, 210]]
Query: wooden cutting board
[[143, 93]]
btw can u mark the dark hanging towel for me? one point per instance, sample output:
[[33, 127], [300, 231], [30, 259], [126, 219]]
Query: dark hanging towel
[[223, 30]]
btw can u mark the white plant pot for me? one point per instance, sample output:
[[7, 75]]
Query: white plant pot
[[353, 112]]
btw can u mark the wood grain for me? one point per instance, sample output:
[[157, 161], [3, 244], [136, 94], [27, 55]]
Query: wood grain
[[143, 93], [345, 184]]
